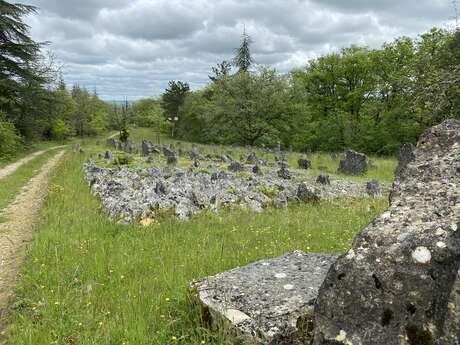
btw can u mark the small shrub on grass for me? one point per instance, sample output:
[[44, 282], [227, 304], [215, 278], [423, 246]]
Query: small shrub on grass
[[124, 160], [10, 140]]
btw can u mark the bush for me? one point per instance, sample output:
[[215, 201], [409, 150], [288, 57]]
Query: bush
[[10, 140], [60, 130]]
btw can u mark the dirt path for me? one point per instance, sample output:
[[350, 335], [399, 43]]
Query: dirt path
[[17, 231], [9, 169]]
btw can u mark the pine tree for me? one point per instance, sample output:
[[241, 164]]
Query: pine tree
[[18, 50], [243, 59]]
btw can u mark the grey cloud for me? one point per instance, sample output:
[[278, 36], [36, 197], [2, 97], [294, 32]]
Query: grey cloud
[[133, 48]]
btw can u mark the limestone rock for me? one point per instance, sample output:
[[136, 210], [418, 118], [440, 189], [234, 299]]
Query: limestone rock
[[108, 154], [269, 301], [354, 163], [235, 167], [399, 284], [405, 156], [324, 180], [111, 142], [171, 160], [284, 173], [306, 194], [304, 164], [373, 188], [252, 159]]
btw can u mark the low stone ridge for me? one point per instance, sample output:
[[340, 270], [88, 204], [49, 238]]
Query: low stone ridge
[[354, 163], [400, 283], [130, 195], [269, 301]]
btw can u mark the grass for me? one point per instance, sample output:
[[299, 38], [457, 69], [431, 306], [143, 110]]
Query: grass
[[88, 280], [12, 184], [382, 168]]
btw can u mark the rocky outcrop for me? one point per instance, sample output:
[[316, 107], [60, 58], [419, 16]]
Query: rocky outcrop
[[269, 301], [131, 195], [354, 163], [405, 156], [400, 284]]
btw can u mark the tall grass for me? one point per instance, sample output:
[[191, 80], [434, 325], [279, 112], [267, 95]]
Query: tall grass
[[88, 280]]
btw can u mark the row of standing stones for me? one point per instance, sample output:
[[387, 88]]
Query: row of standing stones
[[398, 285], [144, 194], [354, 163]]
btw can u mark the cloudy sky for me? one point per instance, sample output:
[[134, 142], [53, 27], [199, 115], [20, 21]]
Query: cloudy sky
[[134, 47]]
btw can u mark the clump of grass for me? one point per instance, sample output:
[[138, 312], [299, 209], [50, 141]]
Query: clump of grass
[[88, 280], [271, 192]]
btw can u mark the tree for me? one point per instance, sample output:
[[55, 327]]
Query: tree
[[18, 53], [243, 59], [173, 98], [220, 71]]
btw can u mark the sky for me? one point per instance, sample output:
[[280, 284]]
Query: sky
[[132, 48]]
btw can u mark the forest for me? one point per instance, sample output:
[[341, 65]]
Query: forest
[[366, 99]]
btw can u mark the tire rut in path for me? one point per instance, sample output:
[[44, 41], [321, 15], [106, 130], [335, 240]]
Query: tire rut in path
[[9, 169], [17, 231]]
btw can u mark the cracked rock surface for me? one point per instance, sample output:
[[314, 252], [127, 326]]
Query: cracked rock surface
[[269, 301], [400, 283], [132, 195]]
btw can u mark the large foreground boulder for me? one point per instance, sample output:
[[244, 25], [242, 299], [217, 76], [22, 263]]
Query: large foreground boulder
[[269, 301], [400, 283], [354, 163], [406, 155]]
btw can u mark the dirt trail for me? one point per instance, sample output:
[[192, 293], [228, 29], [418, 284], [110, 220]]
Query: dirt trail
[[9, 169], [17, 231]]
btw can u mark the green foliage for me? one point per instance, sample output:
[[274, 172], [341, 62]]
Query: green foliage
[[148, 113], [123, 159], [10, 140], [91, 114], [243, 59], [60, 130], [173, 98], [366, 99]]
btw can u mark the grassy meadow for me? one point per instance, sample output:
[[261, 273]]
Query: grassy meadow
[[88, 280]]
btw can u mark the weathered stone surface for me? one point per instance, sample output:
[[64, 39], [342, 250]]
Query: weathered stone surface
[[111, 142], [171, 160], [235, 167], [167, 152], [252, 159], [399, 284], [269, 301], [108, 154], [284, 173], [256, 169], [323, 179], [354, 163], [146, 148], [306, 194], [405, 156], [373, 188], [304, 164]]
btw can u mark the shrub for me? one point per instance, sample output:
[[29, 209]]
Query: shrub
[[60, 130], [10, 140]]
